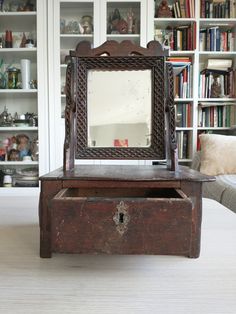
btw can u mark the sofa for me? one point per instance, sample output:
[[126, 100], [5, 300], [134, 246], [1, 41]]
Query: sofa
[[218, 157]]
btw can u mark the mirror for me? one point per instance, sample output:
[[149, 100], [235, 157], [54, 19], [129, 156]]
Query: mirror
[[119, 108]]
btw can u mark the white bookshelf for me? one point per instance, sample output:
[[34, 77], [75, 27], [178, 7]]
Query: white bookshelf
[[30, 100], [199, 60], [59, 43]]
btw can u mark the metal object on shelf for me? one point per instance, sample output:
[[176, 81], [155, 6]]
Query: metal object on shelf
[[5, 118], [13, 77]]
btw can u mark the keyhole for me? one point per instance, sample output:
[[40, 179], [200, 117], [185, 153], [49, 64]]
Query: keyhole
[[121, 218]]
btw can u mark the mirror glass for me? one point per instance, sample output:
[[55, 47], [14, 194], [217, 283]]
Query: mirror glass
[[119, 108]]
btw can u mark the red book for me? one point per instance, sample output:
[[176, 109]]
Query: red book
[[185, 75], [188, 8], [189, 115], [194, 36]]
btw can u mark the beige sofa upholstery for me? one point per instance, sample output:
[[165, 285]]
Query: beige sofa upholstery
[[222, 190]]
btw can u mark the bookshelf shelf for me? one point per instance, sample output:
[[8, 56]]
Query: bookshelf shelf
[[21, 108], [214, 128], [218, 54], [18, 129], [217, 100], [177, 100], [182, 53], [226, 28], [18, 163], [184, 129], [148, 26], [173, 21], [220, 21]]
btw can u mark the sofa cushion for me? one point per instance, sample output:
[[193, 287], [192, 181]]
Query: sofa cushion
[[218, 154]]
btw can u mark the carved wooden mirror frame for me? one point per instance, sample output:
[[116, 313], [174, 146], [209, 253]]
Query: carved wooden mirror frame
[[119, 56]]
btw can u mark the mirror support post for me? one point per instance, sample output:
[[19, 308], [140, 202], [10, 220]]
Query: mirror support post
[[69, 147], [171, 145]]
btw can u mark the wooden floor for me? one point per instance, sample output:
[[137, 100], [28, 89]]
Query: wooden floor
[[115, 284]]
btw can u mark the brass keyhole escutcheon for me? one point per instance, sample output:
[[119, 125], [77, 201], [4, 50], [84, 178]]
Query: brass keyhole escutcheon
[[121, 218]]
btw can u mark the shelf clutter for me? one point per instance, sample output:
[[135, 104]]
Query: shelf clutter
[[216, 115], [182, 67], [205, 80], [200, 36], [19, 145], [217, 79], [218, 9], [178, 9], [216, 38], [178, 38]]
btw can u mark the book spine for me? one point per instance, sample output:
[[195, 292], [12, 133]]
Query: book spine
[[189, 115], [217, 39], [182, 8], [227, 9], [207, 9], [202, 9], [188, 8]]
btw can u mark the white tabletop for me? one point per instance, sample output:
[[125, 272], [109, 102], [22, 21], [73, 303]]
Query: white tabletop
[[105, 284]]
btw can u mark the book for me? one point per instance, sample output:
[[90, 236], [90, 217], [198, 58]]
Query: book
[[219, 64]]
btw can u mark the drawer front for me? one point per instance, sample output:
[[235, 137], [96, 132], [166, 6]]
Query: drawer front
[[121, 225]]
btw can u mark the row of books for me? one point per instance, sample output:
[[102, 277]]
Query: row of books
[[184, 9], [216, 39], [183, 115], [216, 115], [217, 83], [218, 8], [183, 70], [177, 38], [184, 144]]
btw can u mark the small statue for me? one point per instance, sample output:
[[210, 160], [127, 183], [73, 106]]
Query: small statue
[[87, 24], [113, 22], [122, 27], [23, 145], [6, 118], [35, 149], [14, 155], [29, 6], [130, 21], [23, 41], [215, 88], [163, 10]]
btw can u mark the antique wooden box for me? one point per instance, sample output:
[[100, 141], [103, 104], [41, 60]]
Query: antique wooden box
[[121, 221]]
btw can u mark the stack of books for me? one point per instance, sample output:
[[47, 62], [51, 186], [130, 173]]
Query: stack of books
[[182, 67], [217, 80]]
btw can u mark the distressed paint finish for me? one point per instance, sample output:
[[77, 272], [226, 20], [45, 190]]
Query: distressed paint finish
[[77, 210], [194, 191], [48, 190], [152, 225]]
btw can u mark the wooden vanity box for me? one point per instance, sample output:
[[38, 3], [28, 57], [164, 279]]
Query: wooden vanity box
[[121, 209]]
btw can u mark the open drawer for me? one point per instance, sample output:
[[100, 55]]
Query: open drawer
[[121, 221]]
